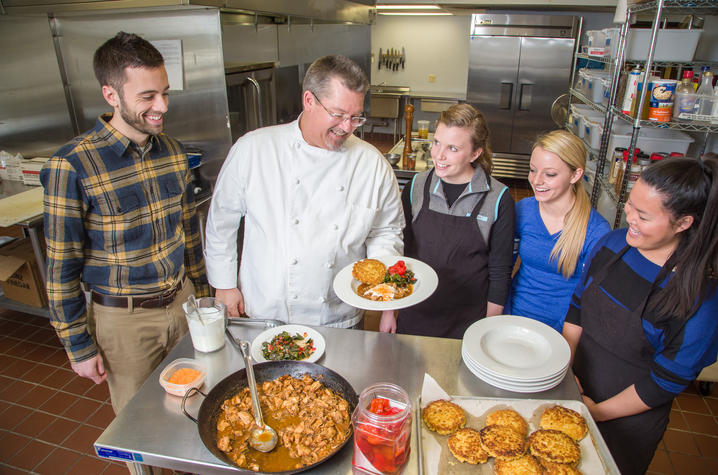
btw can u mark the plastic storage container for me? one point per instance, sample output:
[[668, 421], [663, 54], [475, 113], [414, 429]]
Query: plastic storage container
[[606, 85], [671, 45], [181, 389], [594, 89], [597, 43], [651, 140], [593, 131]]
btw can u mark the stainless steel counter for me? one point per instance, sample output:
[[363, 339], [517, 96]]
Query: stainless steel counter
[[152, 428]]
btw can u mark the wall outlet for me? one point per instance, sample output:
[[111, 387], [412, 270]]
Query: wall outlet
[[432, 77]]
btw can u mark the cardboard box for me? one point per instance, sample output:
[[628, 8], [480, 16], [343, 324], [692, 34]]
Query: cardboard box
[[31, 170], [19, 275]]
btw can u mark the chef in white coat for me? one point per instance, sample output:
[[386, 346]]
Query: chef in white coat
[[315, 198]]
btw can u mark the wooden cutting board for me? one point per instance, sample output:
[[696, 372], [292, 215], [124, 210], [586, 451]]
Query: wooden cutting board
[[19, 207]]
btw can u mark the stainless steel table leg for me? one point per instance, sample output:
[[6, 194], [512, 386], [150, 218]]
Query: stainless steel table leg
[[39, 254]]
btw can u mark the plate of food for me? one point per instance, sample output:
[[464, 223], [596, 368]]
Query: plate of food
[[385, 283], [288, 342]]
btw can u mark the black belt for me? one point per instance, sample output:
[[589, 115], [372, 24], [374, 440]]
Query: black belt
[[139, 301]]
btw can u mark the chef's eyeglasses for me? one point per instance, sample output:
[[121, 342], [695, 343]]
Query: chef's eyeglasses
[[354, 120]]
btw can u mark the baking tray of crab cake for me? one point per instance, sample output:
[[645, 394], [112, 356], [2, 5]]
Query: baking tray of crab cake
[[510, 436]]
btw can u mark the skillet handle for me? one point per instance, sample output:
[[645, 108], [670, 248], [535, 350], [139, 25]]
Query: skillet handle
[[189, 392]]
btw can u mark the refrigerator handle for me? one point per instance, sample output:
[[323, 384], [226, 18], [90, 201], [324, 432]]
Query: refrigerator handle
[[507, 90], [258, 89], [525, 96]]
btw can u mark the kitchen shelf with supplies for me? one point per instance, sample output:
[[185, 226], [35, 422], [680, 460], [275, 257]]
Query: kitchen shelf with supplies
[[615, 65]]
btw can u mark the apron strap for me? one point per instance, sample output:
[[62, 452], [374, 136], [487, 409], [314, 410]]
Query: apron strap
[[662, 274], [427, 190]]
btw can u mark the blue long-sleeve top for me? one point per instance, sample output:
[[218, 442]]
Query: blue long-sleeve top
[[682, 347], [539, 290]]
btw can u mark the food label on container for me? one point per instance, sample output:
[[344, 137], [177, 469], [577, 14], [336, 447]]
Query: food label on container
[[660, 108]]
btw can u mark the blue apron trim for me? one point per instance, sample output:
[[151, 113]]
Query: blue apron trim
[[411, 189], [438, 182], [498, 200]]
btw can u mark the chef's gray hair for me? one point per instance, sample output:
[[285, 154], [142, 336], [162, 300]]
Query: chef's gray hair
[[324, 69]]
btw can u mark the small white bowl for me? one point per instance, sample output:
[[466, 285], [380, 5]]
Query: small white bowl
[[181, 389]]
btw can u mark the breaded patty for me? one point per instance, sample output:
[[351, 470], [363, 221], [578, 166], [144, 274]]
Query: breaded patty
[[559, 469], [465, 445], [502, 442], [369, 271], [524, 465], [566, 420], [553, 446], [508, 417], [443, 416]]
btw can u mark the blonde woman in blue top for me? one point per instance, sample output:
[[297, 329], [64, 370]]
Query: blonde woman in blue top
[[555, 230]]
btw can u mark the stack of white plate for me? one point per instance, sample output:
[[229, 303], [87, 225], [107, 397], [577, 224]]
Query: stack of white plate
[[516, 353]]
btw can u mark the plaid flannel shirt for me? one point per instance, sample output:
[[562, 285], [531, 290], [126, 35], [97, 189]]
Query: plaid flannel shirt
[[120, 219]]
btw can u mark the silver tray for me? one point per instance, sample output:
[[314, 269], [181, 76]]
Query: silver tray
[[434, 457]]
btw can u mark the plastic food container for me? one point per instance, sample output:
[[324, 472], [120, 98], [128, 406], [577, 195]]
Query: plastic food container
[[382, 441], [594, 86], [606, 85], [593, 131], [671, 45], [181, 389], [651, 140]]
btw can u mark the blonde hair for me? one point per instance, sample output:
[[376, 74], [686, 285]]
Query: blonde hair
[[467, 117], [572, 152]]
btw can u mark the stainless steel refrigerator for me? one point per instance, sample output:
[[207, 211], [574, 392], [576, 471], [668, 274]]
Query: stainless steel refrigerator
[[518, 65]]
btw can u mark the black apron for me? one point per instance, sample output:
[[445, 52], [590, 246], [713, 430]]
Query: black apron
[[613, 354], [454, 248]]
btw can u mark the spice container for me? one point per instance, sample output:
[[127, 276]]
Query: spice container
[[382, 430], [615, 164]]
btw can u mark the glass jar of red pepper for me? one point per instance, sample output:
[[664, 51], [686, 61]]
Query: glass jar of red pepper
[[382, 430]]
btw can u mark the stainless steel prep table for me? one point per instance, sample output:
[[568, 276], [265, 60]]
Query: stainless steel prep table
[[153, 428]]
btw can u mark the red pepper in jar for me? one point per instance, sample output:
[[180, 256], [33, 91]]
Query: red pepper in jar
[[385, 444]]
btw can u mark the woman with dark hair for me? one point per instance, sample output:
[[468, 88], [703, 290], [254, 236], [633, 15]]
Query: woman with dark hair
[[460, 221], [643, 320]]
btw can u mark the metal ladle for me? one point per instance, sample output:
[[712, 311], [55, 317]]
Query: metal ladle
[[262, 437]]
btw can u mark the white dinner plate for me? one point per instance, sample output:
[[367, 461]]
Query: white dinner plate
[[515, 385], [499, 375], [516, 347], [270, 333], [426, 281], [476, 369]]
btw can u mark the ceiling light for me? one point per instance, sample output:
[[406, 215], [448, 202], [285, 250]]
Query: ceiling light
[[408, 7], [414, 13]]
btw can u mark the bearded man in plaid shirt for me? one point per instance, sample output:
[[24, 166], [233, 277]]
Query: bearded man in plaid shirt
[[120, 219]]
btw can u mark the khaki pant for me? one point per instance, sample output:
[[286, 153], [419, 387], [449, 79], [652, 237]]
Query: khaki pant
[[133, 344]]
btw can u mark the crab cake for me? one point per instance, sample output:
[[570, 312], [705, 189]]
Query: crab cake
[[443, 416], [566, 420], [465, 445], [559, 469], [369, 271], [502, 442], [553, 446], [524, 465], [510, 418]]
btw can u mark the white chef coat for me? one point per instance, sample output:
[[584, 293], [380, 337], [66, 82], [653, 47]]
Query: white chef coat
[[308, 213]]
